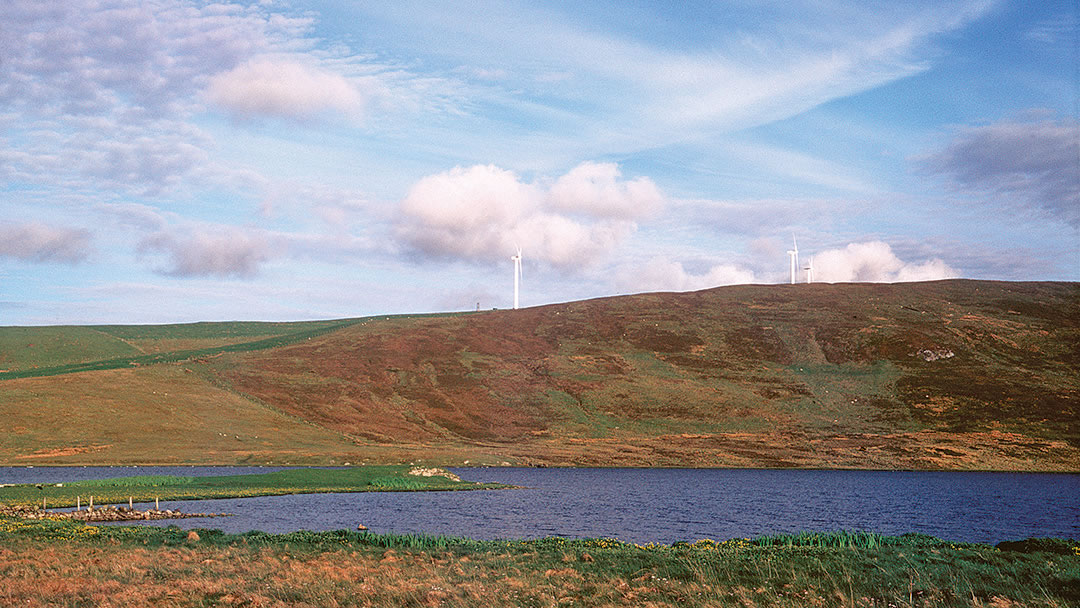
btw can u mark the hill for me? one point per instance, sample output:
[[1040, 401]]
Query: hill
[[941, 375]]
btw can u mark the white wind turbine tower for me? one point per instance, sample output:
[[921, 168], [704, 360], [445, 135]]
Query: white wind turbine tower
[[793, 254], [809, 271], [517, 275]]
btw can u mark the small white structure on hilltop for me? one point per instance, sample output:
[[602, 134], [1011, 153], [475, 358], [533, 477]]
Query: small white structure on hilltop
[[793, 256], [517, 275], [809, 271]]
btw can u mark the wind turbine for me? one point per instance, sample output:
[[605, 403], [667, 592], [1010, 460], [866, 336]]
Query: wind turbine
[[809, 271], [517, 275], [793, 254]]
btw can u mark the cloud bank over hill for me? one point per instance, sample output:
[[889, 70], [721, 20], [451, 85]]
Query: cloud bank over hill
[[875, 262]]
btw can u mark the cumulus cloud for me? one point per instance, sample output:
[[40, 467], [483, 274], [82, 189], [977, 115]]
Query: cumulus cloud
[[37, 242], [225, 253], [596, 189], [661, 274], [283, 88], [874, 262], [481, 212], [1033, 164]]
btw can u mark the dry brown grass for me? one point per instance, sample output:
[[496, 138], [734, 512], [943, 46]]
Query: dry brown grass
[[158, 414], [38, 574]]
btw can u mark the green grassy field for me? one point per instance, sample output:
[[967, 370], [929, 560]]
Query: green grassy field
[[223, 337], [292, 481], [47, 563]]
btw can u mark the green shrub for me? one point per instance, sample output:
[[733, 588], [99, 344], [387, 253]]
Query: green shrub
[[1060, 546]]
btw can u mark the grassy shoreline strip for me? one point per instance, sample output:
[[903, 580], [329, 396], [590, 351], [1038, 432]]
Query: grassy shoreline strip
[[349, 568], [147, 488]]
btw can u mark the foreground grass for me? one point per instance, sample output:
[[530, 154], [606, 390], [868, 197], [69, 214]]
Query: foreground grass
[[147, 488], [70, 564]]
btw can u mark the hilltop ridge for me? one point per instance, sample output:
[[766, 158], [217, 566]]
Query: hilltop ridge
[[955, 374]]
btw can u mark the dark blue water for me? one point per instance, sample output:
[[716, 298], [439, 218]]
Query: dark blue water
[[662, 505]]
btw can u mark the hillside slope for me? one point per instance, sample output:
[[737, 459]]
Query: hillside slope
[[941, 375]]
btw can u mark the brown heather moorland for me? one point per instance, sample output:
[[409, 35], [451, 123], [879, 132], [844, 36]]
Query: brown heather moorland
[[953, 375]]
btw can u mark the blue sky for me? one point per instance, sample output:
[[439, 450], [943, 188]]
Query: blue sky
[[171, 161]]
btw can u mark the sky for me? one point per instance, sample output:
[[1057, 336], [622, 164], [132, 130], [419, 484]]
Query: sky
[[175, 161]]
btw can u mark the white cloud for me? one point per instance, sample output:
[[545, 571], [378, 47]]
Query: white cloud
[[595, 189], [874, 262], [105, 94], [662, 274], [225, 252], [482, 212], [284, 88], [80, 56], [36, 242]]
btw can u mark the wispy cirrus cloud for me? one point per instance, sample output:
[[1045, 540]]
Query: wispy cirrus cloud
[[767, 70], [1052, 31]]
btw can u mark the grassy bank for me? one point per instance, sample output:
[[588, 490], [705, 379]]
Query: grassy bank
[[146, 488], [66, 563]]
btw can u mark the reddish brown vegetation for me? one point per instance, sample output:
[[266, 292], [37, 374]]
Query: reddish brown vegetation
[[606, 381], [781, 375]]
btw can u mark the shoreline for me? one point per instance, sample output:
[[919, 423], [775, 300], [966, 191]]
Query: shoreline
[[531, 466], [107, 513]]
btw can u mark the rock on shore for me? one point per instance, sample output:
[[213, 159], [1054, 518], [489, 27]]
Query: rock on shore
[[106, 513]]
